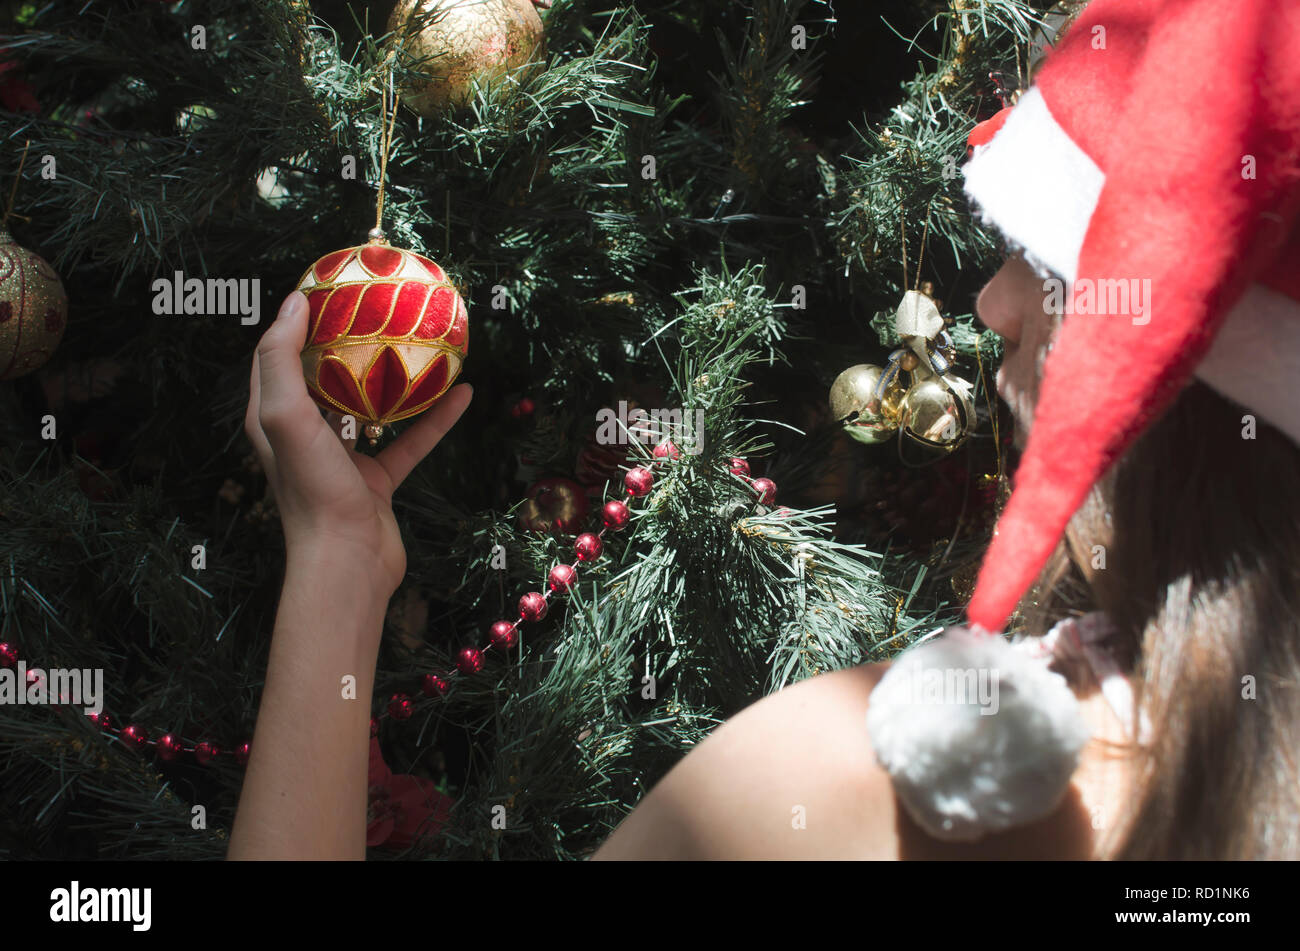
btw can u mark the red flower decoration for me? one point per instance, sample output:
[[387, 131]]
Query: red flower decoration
[[402, 808]]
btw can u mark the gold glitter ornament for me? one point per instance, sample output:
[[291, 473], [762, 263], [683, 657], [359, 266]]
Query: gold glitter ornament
[[33, 309], [460, 43]]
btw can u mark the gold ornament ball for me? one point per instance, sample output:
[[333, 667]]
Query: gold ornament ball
[[462, 42], [33, 309], [851, 398], [930, 414]]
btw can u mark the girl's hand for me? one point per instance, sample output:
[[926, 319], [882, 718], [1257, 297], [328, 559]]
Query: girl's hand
[[335, 504]]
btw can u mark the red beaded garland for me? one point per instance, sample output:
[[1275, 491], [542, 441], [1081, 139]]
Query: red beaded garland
[[8, 654], [399, 707], [638, 481], [615, 514], [169, 747], [562, 578], [503, 635], [588, 547], [532, 606], [469, 660], [523, 408], [433, 685], [766, 490]]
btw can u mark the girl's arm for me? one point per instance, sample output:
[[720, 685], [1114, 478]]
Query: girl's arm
[[305, 791]]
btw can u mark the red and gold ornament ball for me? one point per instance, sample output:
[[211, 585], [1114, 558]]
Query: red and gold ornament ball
[[33, 309], [387, 333]]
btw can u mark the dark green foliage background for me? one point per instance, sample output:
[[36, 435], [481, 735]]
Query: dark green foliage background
[[614, 284]]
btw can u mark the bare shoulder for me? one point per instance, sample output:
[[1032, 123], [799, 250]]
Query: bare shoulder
[[793, 776], [784, 778]]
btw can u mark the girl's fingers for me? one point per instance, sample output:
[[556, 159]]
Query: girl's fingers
[[413, 445], [252, 424], [282, 398]]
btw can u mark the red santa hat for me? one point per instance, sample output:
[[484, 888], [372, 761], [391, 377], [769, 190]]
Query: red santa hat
[[1154, 166]]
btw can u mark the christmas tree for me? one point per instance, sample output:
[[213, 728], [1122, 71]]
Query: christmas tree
[[673, 222]]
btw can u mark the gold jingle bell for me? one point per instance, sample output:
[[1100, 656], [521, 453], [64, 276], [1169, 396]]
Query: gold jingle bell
[[930, 415], [852, 402]]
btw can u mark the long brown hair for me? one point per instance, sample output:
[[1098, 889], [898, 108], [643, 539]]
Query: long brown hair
[[1200, 531]]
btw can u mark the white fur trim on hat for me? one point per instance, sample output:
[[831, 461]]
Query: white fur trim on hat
[[976, 735], [1036, 186]]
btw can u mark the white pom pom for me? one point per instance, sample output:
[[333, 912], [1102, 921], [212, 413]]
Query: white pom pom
[[976, 735]]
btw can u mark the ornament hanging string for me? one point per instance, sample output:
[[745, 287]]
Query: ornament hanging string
[[387, 120], [13, 192], [925, 236], [902, 233]]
